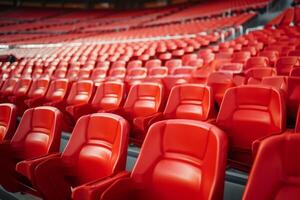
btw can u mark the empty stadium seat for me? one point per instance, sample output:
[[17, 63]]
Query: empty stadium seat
[[256, 62], [233, 68], [174, 63], [267, 182], [117, 73], [134, 64], [220, 82], [271, 55], [278, 82], [8, 119], [241, 106], [96, 150], [256, 74], [173, 150], [136, 74], [8, 88], [241, 57], [143, 102], [37, 92], [285, 64], [153, 63], [157, 72], [78, 99], [190, 101], [38, 134], [20, 94], [108, 97]]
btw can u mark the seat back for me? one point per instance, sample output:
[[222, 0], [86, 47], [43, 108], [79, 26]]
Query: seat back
[[256, 74], [176, 150], [57, 91], [8, 120], [84, 73], [241, 57], [99, 73], [280, 182], [158, 72], [109, 95], [9, 86], [271, 55], [136, 73], [258, 61], [97, 147], [60, 73], [81, 92], [119, 72], [38, 133], [190, 101], [186, 70], [285, 64], [278, 82], [220, 82], [134, 64], [188, 57], [144, 99], [153, 63], [38, 88], [238, 117], [22, 87]]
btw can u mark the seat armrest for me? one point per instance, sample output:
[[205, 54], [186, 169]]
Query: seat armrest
[[94, 190], [27, 167], [79, 110], [143, 123], [257, 142]]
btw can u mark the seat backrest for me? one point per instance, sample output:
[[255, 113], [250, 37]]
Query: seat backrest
[[57, 90], [280, 182], [220, 82], [98, 73], [271, 55], [8, 120], [188, 57], [109, 95], [174, 63], [285, 64], [60, 73], [81, 92], [235, 68], [84, 73], [38, 88], [176, 149], [98, 144], [190, 101], [144, 99], [295, 71], [183, 70], [38, 133], [9, 86], [134, 64], [258, 61], [22, 87], [118, 64], [137, 72], [241, 57], [153, 63], [238, 117], [256, 74], [119, 72], [293, 98], [278, 82], [159, 72]]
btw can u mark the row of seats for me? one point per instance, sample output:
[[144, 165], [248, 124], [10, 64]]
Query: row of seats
[[173, 149]]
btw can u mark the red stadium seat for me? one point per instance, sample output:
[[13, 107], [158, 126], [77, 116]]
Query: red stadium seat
[[171, 64], [271, 55], [143, 102], [134, 64], [157, 72], [234, 68], [8, 119], [96, 150], [190, 101], [117, 73], [269, 182], [241, 106], [174, 150], [8, 88], [188, 57], [285, 64], [183, 71], [37, 92], [153, 63], [136, 74], [108, 97], [220, 82], [38, 134], [256, 74], [256, 62], [241, 57], [278, 82], [79, 97]]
